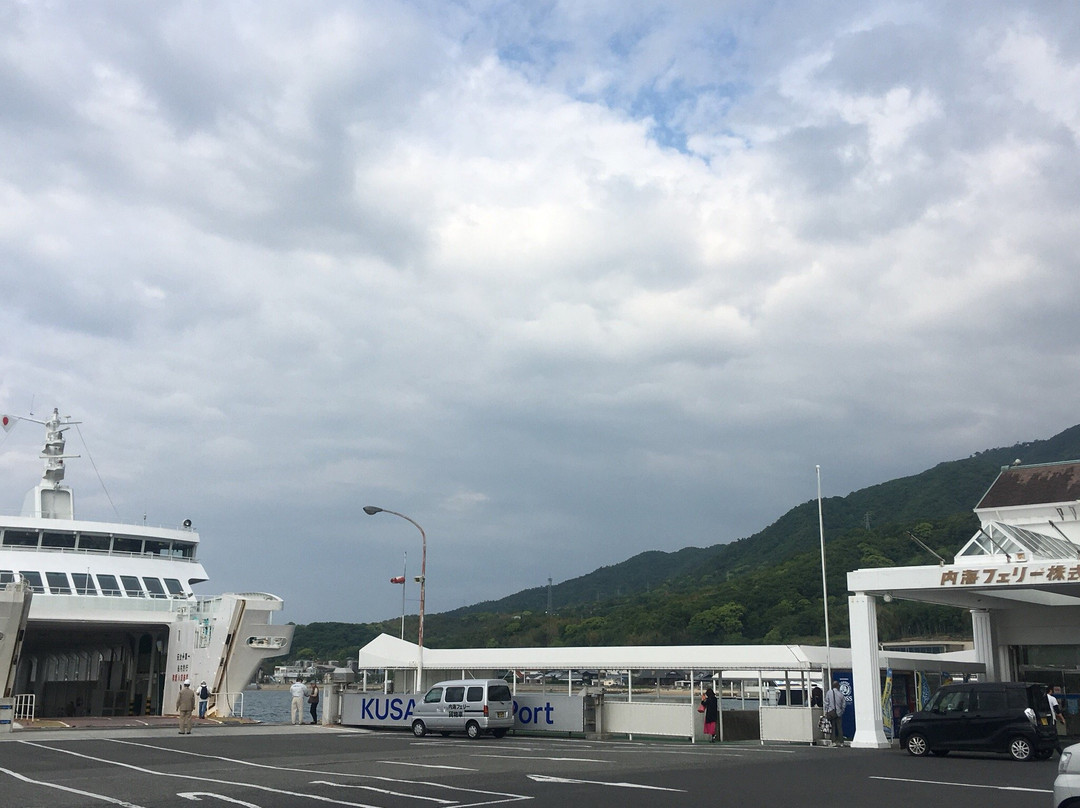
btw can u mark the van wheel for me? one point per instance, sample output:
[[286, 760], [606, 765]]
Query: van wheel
[[916, 745], [1020, 748], [418, 729], [472, 729], [498, 733]]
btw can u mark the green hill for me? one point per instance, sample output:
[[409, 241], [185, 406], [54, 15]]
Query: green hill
[[763, 588]]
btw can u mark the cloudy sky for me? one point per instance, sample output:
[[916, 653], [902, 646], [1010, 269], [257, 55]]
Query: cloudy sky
[[562, 281]]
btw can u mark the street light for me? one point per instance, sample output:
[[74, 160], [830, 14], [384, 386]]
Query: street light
[[371, 510]]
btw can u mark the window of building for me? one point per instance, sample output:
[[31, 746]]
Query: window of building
[[125, 544], [34, 579], [176, 589], [63, 541], [154, 587], [58, 583], [109, 586], [132, 586], [20, 538], [6, 576], [84, 584], [94, 541]]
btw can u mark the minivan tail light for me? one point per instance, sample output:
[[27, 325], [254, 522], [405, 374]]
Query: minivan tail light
[[485, 711]]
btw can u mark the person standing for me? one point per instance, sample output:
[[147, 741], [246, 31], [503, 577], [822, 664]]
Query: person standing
[[816, 697], [1058, 716], [835, 702], [185, 705], [204, 699], [711, 708], [313, 700], [298, 691]]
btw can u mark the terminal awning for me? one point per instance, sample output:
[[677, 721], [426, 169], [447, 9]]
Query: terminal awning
[[977, 582]]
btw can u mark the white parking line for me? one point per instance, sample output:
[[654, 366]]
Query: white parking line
[[541, 757], [385, 791], [425, 765], [964, 785], [479, 796], [543, 778], [59, 787]]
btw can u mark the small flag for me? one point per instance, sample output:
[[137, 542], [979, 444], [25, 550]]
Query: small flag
[[399, 580], [7, 421]]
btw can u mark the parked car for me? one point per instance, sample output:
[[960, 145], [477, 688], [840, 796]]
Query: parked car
[[1067, 784], [473, 706], [1008, 717]]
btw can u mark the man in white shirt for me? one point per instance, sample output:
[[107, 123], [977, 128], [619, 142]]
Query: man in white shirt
[[299, 692], [834, 711]]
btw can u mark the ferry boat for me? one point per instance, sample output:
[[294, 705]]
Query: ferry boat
[[99, 618]]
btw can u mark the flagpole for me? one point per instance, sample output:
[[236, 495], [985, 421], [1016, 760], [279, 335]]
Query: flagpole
[[824, 585], [404, 583]]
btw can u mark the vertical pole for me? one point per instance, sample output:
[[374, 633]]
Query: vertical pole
[[824, 585], [404, 584]]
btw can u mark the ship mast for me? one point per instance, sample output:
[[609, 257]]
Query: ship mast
[[50, 499]]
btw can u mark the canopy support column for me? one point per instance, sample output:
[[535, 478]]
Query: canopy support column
[[982, 631], [866, 673]]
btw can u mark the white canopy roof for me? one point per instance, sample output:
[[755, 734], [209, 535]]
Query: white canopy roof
[[390, 652]]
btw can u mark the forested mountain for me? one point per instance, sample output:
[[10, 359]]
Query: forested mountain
[[764, 588]]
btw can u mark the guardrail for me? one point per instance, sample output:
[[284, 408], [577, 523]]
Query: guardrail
[[24, 706]]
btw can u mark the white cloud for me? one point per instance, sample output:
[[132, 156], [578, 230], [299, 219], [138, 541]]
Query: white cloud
[[579, 280]]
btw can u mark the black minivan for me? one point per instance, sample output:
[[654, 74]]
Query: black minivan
[[1011, 717]]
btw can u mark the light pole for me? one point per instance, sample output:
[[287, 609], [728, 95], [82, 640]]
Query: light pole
[[824, 585], [371, 510]]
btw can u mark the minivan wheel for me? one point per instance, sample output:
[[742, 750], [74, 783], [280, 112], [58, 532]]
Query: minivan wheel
[[472, 729], [916, 745], [418, 729], [1020, 748]]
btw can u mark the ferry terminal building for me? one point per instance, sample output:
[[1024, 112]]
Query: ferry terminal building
[[1019, 576]]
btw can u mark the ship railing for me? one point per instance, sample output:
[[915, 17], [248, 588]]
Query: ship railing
[[228, 698], [109, 604], [24, 707], [110, 553]]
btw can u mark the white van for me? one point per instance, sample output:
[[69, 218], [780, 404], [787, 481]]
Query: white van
[[474, 706]]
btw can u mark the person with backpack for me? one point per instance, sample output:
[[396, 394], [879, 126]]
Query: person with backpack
[[204, 699]]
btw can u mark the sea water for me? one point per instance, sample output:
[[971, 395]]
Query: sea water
[[270, 706]]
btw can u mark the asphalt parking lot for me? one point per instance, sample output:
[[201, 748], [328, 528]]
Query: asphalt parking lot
[[273, 767]]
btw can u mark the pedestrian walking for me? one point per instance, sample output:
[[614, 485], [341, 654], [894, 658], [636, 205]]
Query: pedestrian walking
[[299, 692], [204, 699], [1054, 698], [313, 700], [835, 702], [711, 708], [185, 706]]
